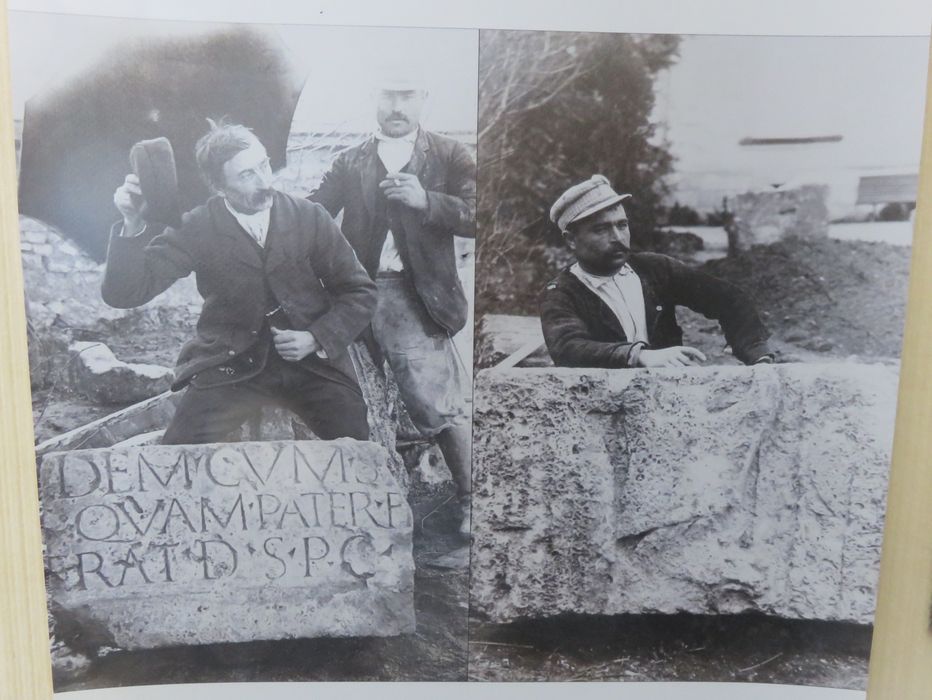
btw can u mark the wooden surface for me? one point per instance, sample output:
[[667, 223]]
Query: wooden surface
[[901, 658], [25, 669]]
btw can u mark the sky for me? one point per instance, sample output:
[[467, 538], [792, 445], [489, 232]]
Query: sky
[[868, 90], [339, 62]]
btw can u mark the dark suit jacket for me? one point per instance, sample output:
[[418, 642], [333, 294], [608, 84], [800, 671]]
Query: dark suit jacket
[[308, 268], [448, 174], [582, 331]]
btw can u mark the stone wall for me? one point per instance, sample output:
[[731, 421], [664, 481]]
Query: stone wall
[[706, 490], [63, 288]]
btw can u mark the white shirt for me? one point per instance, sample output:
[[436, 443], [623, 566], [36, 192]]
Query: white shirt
[[623, 294], [395, 153], [256, 225]]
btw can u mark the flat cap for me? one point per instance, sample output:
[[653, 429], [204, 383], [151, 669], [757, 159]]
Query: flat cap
[[582, 200]]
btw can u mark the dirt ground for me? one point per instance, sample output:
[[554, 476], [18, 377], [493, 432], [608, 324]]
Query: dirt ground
[[754, 649], [840, 298]]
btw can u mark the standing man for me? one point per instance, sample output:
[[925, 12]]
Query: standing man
[[284, 296], [405, 193], [616, 308]]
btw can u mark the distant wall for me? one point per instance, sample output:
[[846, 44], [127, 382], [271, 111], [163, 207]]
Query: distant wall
[[766, 217]]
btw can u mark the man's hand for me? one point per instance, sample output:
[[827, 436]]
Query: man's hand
[[129, 201], [406, 189], [678, 356], [294, 345]]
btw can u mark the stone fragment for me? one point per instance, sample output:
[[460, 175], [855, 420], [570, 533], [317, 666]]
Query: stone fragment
[[143, 417], [151, 438], [177, 545], [100, 376], [703, 490], [773, 215]]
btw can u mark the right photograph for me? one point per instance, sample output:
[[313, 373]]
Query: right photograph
[[691, 270]]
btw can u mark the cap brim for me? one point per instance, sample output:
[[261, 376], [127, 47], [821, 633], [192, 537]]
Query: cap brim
[[600, 206]]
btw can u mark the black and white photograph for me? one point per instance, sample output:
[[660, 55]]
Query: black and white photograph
[[405, 353], [248, 262], [692, 263]]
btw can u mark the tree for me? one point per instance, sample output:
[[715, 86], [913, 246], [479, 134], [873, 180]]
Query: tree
[[554, 109]]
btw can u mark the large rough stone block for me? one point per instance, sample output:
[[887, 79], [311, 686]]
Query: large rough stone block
[[100, 376], [166, 545], [705, 490], [766, 217]]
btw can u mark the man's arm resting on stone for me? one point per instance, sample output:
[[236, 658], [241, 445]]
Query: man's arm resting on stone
[[352, 292], [569, 341], [727, 303], [455, 209], [142, 266]]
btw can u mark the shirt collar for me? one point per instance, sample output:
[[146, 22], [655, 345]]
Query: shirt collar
[[599, 280], [249, 221]]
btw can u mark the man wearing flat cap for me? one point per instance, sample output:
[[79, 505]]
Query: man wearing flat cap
[[405, 192], [617, 308]]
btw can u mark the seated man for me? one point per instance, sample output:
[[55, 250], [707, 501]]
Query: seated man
[[615, 308], [284, 296]]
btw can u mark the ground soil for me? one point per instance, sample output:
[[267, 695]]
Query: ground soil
[[839, 298], [738, 648]]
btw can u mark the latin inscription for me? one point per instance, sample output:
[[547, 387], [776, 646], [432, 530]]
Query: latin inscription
[[283, 513]]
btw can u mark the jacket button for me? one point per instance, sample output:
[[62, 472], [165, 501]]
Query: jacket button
[[231, 353], [659, 308], [255, 332]]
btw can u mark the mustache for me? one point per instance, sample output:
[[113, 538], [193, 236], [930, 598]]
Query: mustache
[[398, 115]]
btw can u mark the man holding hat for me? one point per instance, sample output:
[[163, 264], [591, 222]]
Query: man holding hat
[[405, 193], [284, 296], [617, 308]]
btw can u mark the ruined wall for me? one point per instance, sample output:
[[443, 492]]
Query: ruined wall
[[63, 287], [769, 216], [705, 490]]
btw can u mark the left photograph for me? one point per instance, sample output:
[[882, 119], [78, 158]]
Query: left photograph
[[248, 260]]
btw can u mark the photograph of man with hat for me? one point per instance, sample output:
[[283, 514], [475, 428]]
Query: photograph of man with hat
[[405, 192], [617, 308], [284, 296]]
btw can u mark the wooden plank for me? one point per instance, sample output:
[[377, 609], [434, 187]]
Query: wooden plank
[[901, 659], [25, 666], [514, 358]]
